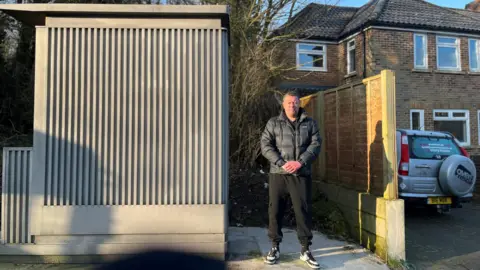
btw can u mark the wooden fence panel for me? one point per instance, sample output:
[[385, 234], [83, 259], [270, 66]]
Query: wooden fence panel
[[359, 150]]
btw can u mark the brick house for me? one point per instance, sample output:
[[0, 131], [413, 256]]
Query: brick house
[[434, 50]]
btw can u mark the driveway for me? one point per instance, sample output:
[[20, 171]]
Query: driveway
[[449, 241]]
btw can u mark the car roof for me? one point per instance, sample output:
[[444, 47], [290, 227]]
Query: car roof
[[425, 133]]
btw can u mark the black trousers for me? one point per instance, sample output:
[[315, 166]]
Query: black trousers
[[300, 190]]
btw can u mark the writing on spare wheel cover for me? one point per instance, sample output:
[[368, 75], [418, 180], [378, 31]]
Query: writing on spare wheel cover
[[463, 174]]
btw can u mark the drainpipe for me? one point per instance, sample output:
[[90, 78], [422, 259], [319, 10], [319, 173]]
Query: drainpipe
[[364, 55]]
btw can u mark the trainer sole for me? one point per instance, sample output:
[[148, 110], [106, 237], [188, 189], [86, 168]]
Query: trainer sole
[[311, 266]]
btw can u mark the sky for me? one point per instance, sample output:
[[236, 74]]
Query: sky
[[445, 3]]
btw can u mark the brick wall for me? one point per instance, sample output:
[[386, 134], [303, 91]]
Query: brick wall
[[343, 77], [426, 90], [336, 73]]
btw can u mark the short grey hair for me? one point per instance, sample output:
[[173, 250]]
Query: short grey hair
[[292, 94]]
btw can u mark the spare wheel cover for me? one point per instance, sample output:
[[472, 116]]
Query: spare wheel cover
[[457, 175]]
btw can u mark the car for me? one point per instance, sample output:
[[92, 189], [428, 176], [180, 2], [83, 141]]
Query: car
[[434, 170]]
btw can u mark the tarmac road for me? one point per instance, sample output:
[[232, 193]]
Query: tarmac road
[[448, 241]]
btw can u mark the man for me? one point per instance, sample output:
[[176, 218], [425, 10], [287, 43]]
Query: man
[[291, 142]]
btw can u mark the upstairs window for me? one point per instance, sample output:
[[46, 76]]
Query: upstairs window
[[473, 52], [311, 57], [351, 56], [420, 51], [448, 53]]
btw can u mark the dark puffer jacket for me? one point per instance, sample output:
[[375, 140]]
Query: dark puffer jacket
[[281, 142]]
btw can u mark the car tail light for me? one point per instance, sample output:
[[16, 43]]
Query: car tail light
[[405, 156], [464, 152]]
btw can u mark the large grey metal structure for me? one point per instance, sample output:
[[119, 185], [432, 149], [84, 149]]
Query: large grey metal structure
[[131, 131]]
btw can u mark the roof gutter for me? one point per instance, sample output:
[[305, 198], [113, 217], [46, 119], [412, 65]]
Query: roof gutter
[[419, 30]]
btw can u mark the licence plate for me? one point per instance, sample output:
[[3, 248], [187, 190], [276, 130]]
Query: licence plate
[[439, 200]]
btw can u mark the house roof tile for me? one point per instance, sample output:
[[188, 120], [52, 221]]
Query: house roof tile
[[335, 22], [323, 20]]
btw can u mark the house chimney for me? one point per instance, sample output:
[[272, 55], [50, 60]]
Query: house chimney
[[474, 6]]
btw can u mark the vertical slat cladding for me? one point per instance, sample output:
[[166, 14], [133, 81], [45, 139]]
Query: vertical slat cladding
[[91, 72], [105, 152], [15, 195], [141, 129], [77, 97], [190, 165], [112, 134], [161, 124], [224, 100], [166, 128], [97, 151], [177, 181], [202, 106], [136, 117], [148, 118], [171, 101], [155, 150], [118, 189], [184, 86], [196, 123], [136, 104], [63, 118]]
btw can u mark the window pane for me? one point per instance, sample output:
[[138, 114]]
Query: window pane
[[447, 57], [441, 114], [458, 114], [310, 47], [431, 147], [311, 60], [473, 54], [351, 43], [447, 40], [457, 128], [351, 56], [416, 120], [419, 51]]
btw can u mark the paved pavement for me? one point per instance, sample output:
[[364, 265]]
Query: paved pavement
[[331, 254], [450, 241], [247, 246]]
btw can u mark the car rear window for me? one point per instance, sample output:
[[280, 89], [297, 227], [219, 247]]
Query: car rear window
[[423, 147]]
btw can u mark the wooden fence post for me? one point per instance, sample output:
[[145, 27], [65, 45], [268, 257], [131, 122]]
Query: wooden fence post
[[390, 180], [320, 116]]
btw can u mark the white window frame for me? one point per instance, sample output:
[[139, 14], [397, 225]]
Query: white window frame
[[451, 118], [415, 56], [324, 53], [349, 48], [478, 125], [422, 118], [456, 46], [477, 41]]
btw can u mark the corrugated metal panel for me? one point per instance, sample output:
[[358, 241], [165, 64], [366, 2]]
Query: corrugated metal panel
[[136, 116], [15, 195]]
